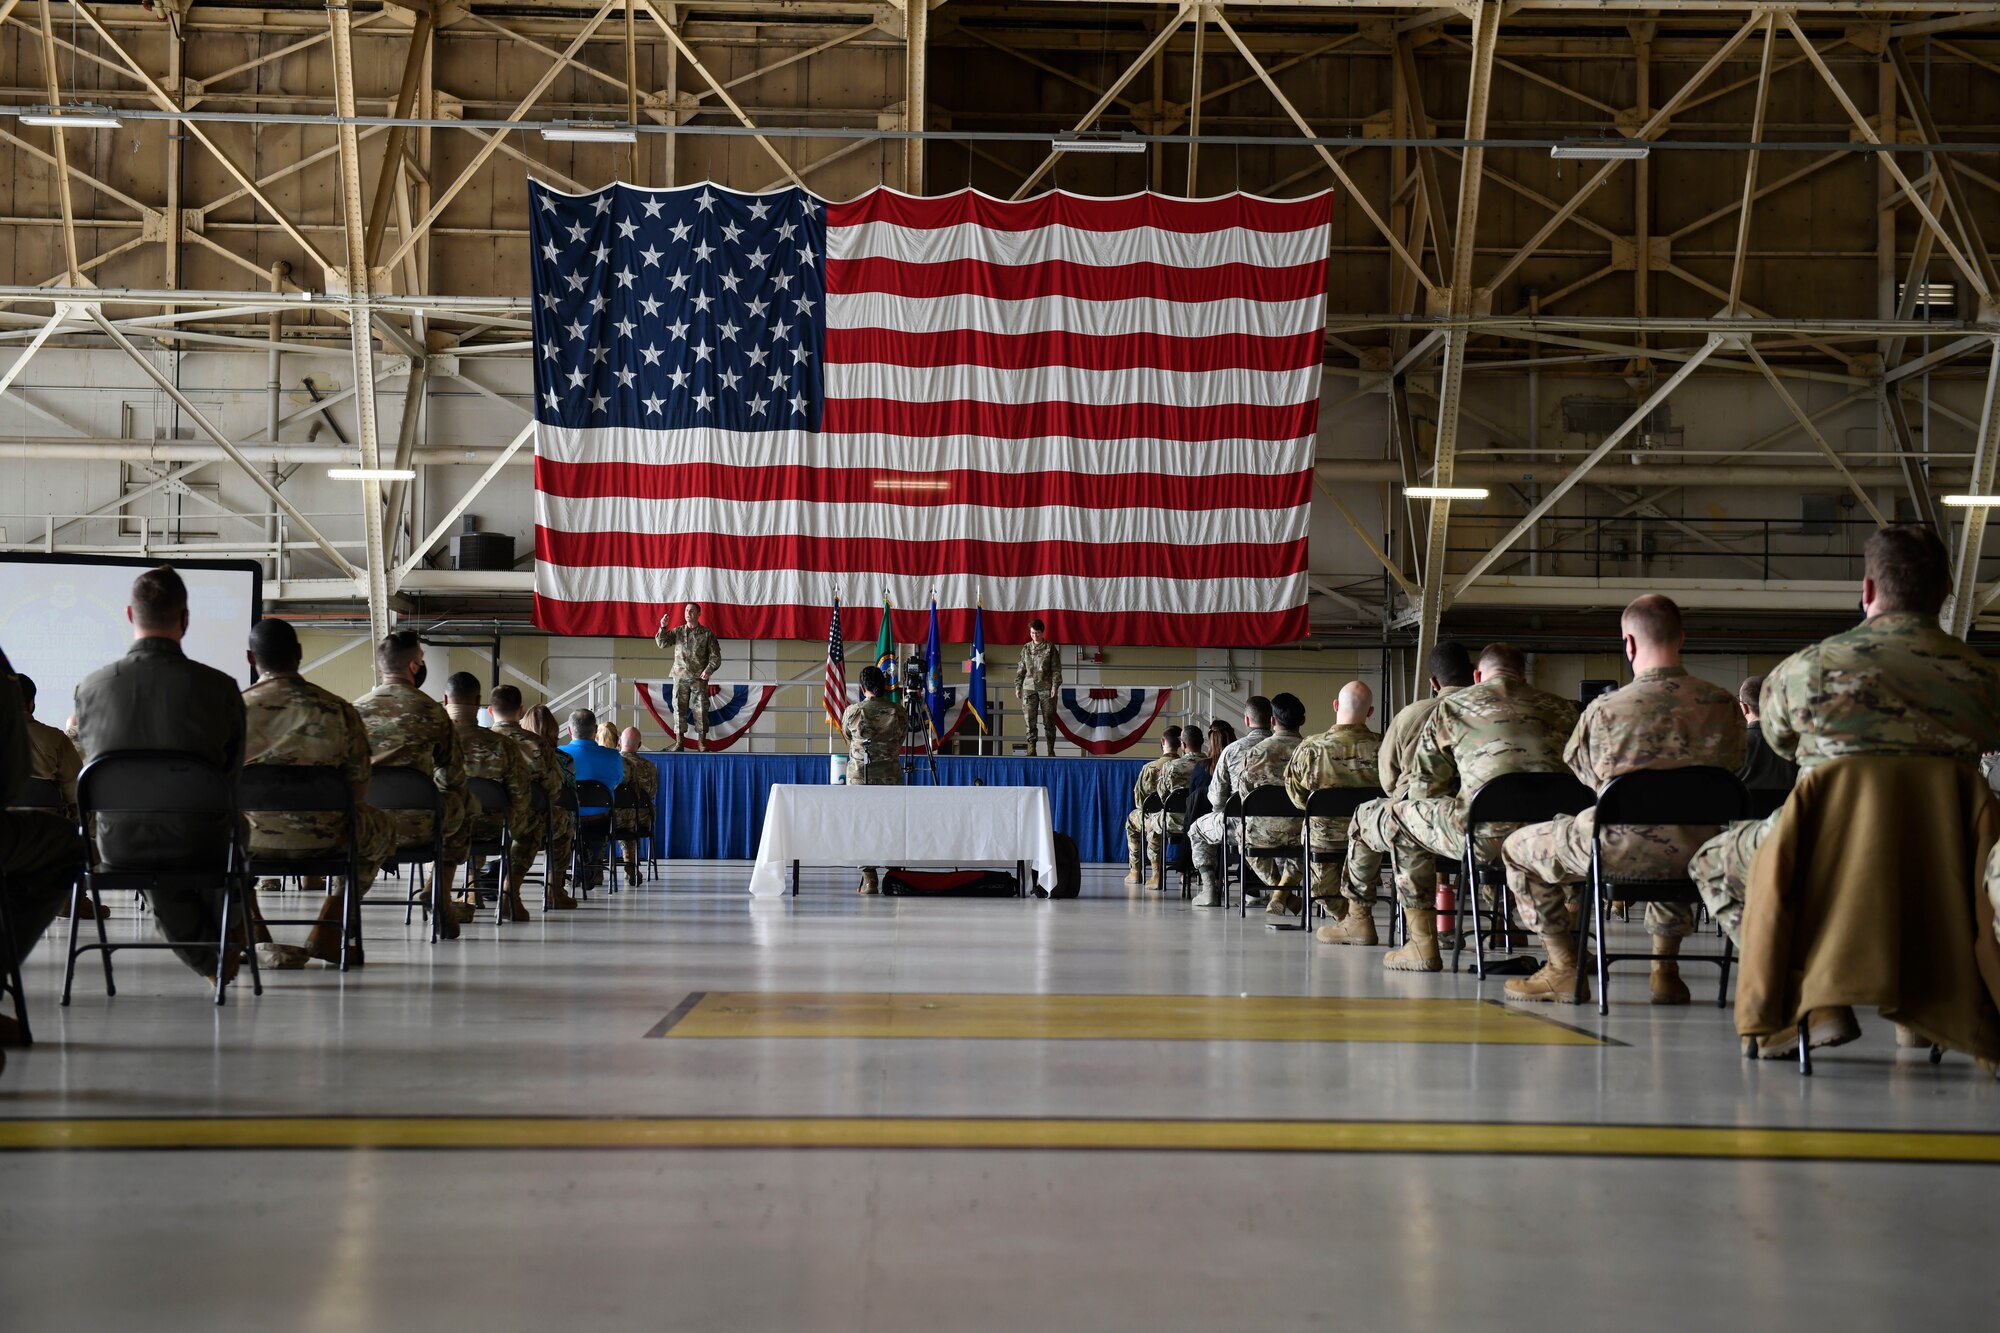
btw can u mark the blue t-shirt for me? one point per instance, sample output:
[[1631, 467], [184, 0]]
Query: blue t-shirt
[[595, 762]]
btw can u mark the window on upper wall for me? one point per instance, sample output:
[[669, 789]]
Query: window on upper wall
[[1935, 300]]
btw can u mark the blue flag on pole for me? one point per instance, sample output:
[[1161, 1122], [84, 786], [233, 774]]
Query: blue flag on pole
[[934, 701], [975, 689]]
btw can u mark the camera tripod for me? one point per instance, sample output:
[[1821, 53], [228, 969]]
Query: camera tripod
[[916, 729]]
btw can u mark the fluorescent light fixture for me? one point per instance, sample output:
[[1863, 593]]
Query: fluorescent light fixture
[[1601, 150], [372, 473], [1075, 143], [1973, 501], [1445, 492], [80, 117], [588, 131]]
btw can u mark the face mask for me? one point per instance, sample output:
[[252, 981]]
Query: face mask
[[423, 670]]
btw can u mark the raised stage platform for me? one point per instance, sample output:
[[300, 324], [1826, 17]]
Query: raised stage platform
[[712, 805]]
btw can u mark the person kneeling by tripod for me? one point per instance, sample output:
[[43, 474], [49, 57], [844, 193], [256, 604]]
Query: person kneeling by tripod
[[875, 729]]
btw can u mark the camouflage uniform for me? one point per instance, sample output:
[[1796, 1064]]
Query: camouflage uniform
[[289, 720], [490, 755], [1503, 725], [409, 729], [1205, 834], [562, 823], [544, 771], [1136, 841], [1342, 756], [1893, 685], [644, 779], [53, 756], [1265, 765], [696, 649], [1664, 719], [1170, 778], [875, 729], [1037, 677], [1372, 833]]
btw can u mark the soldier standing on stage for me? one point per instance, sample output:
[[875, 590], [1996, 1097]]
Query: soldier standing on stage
[[875, 729], [697, 656], [1037, 677]]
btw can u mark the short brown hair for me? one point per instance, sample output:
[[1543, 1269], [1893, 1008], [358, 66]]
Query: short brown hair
[[505, 699], [1910, 569], [159, 599], [396, 651], [1653, 619], [1503, 659], [1750, 691]]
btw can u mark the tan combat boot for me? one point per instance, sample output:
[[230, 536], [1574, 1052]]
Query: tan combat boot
[[1356, 927], [1667, 986], [869, 884], [324, 941], [1421, 953], [1824, 1027], [1283, 903], [440, 904], [1211, 892], [1558, 981], [1132, 873]]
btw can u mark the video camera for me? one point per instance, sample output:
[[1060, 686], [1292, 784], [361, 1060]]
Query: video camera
[[914, 674]]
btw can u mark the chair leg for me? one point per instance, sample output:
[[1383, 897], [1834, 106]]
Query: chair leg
[[1805, 1049], [1722, 987], [1603, 967], [69, 965], [222, 950], [12, 984]]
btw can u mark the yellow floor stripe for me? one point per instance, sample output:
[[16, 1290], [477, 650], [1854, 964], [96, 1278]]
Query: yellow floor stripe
[[1113, 1018], [1004, 1134]]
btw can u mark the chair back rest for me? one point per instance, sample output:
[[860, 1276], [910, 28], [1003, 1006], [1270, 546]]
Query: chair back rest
[[403, 789], [1270, 799], [293, 787], [1149, 806], [1339, 802], [593, 794], [1764, 802], [625, 796], [1175, 801], [1198, 804], [37, 794], [566, 799], [1232, 806], [490, 793], [1696, 795], [153, 782], [1528, 798]]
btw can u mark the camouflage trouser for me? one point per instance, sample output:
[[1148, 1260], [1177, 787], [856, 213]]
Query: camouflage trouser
[[375, 842], [1721, 870], [1371, 834], [1135, 836], [413, 827], [1038, 713], [562, 842], [1434, 826], [1328, 835], [1547, 865], [691, 704], [1205, 843]]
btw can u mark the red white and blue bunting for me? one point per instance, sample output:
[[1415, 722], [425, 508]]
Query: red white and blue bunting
[[733, 708], [1105, 720]]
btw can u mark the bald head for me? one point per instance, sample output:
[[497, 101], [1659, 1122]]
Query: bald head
[[628, 740], [1357, 703]]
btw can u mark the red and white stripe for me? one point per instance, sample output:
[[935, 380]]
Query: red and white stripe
[[1100, 411]]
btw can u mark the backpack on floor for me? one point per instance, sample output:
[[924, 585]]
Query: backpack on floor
[[951, 883], [1069, 871]]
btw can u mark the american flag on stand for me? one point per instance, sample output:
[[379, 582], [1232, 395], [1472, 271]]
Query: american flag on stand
[[1099, 411], [835, 696]]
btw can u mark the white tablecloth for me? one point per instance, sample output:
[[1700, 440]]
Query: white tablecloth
[[902, 826]]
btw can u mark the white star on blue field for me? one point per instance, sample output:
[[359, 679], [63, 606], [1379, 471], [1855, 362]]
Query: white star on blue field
[[678, 309]]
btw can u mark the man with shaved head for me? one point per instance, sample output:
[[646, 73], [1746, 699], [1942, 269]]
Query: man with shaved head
[[1346, 754], [1664, 719], [644, 779]]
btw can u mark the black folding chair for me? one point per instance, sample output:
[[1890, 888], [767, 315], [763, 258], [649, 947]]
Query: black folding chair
[[594, 833], [1197, 806], [649, 818], [1511, 798], [1326, 803], [1267, 800], [38, 794], [1697, 795], [490, 795], [1175, 849], [398, 790], [295, 788], [126, 783]]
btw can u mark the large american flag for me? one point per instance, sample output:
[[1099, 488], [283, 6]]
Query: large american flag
[[1098, 411]]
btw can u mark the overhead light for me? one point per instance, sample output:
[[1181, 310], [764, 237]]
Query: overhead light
[[1601, 150], [1077, 143], [81, 117], [372, 473], [1973, 501], [1445, 492], [589, 131]]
